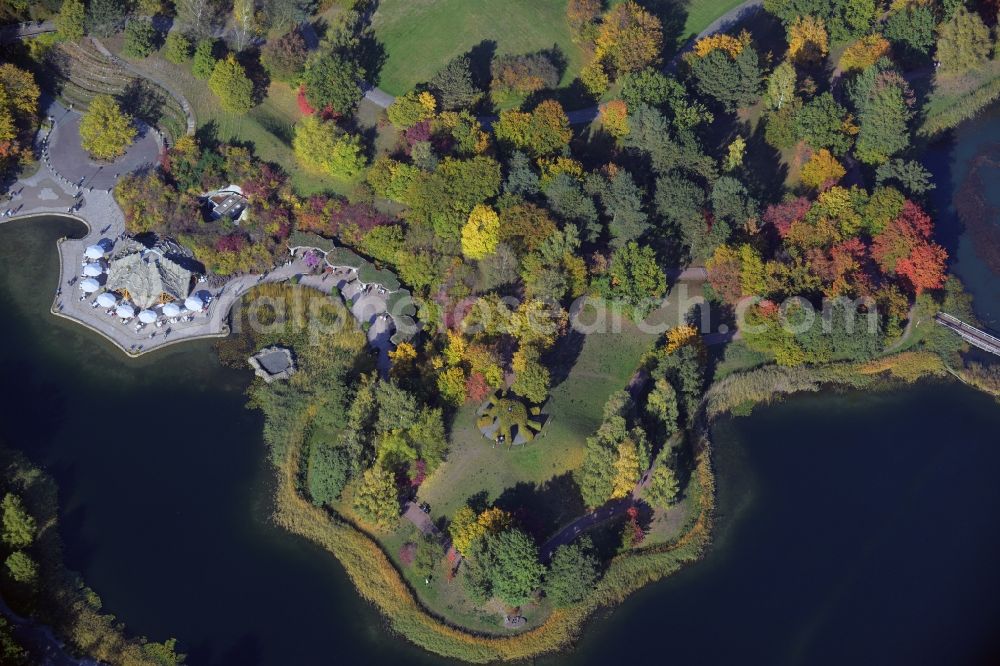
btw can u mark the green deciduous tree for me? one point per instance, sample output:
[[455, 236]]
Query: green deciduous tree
[[70, 20], [543, 131], [140, 38], [203, 63], [178, 47], [230, 83], [912, 27], [882, 98], [823, 123], [505, 565], [19, 527], [21, 567], [572, 573], [332, 81], [963, 42], [663, 487], [105, 131], [322, 146], [661, 404], [376, 499], [636, 276], [327, 472], [11, 650]]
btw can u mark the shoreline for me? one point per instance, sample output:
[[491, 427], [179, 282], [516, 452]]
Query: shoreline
[[377, 579]]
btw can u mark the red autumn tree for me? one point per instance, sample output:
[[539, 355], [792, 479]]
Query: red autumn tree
[[782, 215], [476, 387], [724, 274], [904, 248]]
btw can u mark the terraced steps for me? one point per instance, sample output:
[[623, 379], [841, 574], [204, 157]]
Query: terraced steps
[[83, 73]]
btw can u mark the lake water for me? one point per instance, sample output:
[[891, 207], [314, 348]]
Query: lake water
[[851, 526]]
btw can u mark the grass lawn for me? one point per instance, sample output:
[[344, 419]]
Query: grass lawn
[[420, 36], [700, 13], [537, 476], [606, 363]]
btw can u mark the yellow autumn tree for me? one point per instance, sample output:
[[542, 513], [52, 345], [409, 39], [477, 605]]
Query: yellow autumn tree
[[682, 336], [494, 520], [614, 118], [409, 109], [403, 359], [464, 529], [630, 38], [105, 130], [808, 41], [864, 53], [481, 233], [628, 469], [721, 41], [822, 170]]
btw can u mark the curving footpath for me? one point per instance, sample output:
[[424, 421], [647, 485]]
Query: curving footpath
[[124, 64]]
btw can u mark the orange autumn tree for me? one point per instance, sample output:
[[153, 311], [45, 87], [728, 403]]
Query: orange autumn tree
[[905, 249], [614, 118]]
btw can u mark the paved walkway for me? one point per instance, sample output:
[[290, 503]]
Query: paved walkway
[[65, 157], [17, 32]]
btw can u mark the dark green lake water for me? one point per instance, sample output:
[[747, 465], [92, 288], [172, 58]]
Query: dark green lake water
[[852, 527]]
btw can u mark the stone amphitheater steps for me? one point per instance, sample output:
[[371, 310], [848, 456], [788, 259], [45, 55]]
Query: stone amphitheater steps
[[86, 73]]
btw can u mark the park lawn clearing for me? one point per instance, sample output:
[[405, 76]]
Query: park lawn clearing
[[421, 36], [269, 126], [538, 473], [701, 14]]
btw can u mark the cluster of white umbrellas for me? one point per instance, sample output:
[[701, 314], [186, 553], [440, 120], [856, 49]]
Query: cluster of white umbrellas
[[127, 310]]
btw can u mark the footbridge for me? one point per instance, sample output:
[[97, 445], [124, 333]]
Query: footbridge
[[969, 333]]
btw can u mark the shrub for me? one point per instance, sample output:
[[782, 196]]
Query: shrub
[[204, 59], [140, 38], [230, 83], [178, 47], [285, 57]]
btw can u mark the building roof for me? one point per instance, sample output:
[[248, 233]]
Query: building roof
[[273, 363], [148, 278]]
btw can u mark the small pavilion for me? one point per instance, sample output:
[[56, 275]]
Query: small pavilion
[[148, 279]]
